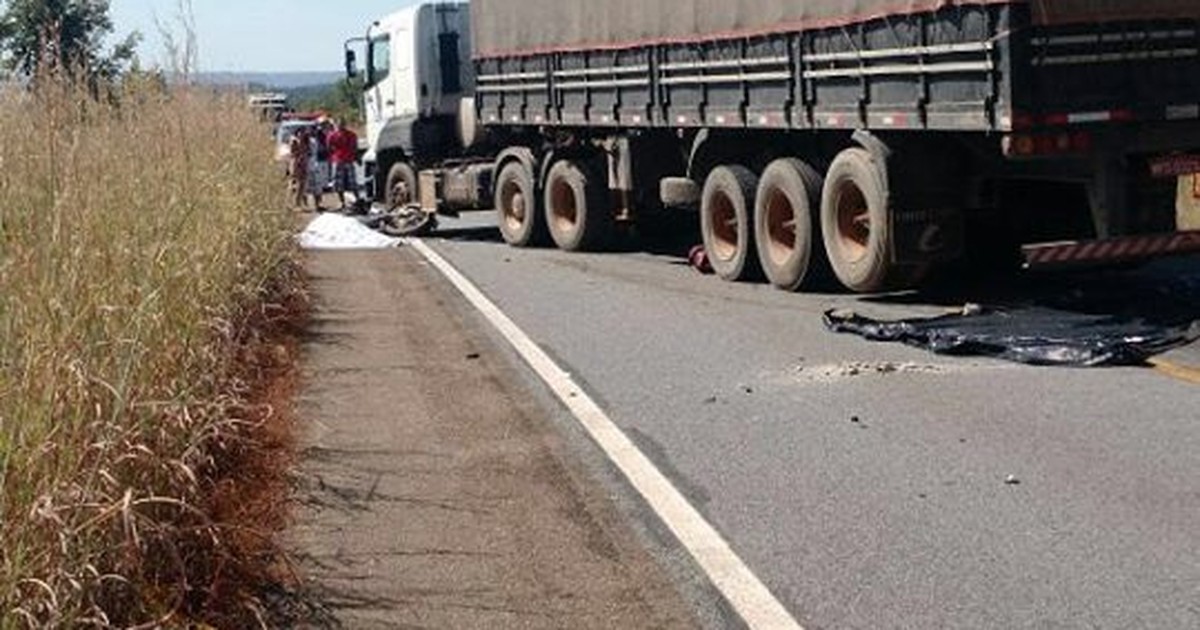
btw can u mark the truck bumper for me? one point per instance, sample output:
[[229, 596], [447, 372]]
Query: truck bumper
[[1108, 251]]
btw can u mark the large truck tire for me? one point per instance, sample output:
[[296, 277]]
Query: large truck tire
[[787, 226], [727, 222], [401, 185], [578, 208], [517, 214], [855, 223]]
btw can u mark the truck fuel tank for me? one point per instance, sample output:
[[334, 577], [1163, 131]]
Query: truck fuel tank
[[465, 187]]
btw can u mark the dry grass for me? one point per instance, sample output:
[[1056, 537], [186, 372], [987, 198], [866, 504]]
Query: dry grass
[[140, 247]]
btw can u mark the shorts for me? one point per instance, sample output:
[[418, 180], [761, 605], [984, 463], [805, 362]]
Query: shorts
[[345, 179]]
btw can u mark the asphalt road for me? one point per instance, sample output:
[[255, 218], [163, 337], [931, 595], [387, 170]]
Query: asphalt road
[[879, 486]]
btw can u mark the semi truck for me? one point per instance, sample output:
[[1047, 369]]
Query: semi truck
[[867, 141]]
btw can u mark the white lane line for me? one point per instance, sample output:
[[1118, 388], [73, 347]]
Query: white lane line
[[744, 591]]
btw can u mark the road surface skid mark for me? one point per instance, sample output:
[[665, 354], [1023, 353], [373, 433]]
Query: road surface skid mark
[[1184, 373], [743, 590]]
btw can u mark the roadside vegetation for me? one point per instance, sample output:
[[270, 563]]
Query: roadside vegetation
[[146, 277], [340, 100]]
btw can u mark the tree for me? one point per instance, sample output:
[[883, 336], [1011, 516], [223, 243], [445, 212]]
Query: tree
[[62, 35], [340, 100]]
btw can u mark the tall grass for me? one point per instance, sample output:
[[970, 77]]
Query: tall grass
[[135, 237]]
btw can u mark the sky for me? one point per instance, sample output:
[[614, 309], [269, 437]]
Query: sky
[[256, 35]]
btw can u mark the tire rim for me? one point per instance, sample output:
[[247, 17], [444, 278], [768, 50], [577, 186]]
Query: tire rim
[[401, 195], [564, 212], [853, 222], [780, 216], [512, 205], [725, 228]]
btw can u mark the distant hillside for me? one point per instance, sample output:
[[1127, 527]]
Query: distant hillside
[[272, 80]]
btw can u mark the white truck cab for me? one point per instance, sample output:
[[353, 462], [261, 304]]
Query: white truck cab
[[417, 72]]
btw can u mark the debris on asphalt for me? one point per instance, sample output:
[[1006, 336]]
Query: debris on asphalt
[[851, 369], [698, 259], [1111, 319], [1012, 480], [1033, 335]]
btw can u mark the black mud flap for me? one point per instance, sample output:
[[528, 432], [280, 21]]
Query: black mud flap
[[927, 236]]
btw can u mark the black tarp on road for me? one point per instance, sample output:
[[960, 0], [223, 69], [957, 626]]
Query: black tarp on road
[[1034, 336], [525, 27], [1080, 321]]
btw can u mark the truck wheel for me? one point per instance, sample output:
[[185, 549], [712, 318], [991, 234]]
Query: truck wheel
[[726, 223], [521, 224], [578, 211], [786, 224], [401, 185], [855, 225]]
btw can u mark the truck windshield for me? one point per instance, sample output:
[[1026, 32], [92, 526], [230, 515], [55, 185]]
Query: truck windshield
[[379, 53]]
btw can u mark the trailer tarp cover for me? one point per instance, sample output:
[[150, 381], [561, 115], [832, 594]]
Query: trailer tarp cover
[[525, 27]]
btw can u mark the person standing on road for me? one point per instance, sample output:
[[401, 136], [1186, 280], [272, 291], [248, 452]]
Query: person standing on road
[[318, 168], [300, 153], [324, 129], [343, 152]]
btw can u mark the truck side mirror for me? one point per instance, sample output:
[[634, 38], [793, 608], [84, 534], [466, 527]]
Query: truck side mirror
[[351, 64]]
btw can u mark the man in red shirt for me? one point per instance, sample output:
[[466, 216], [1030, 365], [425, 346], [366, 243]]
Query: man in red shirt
[[343, 153]]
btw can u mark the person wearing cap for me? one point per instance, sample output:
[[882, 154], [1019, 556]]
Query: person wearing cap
[[343, 152]]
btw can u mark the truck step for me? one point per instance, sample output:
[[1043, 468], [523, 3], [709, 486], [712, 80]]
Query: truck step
[[1113, 250]]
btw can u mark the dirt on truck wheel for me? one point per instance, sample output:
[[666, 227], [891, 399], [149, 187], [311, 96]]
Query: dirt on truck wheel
[[401, 185], [521, 224], [787, 224], [727, 224], [578, 212], [856, 225]]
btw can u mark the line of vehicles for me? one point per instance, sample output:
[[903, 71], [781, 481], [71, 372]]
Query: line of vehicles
[[867, 140]]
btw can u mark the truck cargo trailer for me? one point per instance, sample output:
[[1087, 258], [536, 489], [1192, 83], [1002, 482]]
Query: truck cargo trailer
[[861, 137]]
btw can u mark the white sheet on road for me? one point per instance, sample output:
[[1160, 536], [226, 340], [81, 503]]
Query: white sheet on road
[[335, 231]]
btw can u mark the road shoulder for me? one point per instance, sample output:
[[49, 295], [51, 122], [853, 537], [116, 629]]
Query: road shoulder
[[433, 492]]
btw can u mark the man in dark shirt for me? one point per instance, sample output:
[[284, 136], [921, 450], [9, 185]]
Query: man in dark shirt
[[343, 153]]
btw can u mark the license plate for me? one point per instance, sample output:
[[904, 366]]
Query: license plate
[[1175, 166]]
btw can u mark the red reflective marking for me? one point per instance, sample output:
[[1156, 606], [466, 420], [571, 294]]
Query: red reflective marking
[[1067, 254], [1140, 247], [1123, 115], [1023, 121], [1087, 251]]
